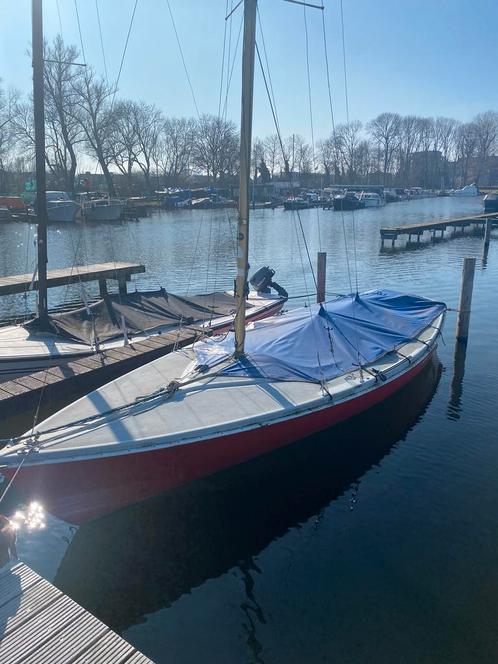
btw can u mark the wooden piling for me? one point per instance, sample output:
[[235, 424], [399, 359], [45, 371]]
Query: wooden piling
[[462, 329], [321, 276]]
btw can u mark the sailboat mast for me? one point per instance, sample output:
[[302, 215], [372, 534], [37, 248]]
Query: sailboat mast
[[39, 118], [245, 170]]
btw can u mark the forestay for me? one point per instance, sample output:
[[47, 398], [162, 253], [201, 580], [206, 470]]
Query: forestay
[[324, 341]]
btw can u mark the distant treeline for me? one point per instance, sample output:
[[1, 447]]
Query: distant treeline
[[87, 121]]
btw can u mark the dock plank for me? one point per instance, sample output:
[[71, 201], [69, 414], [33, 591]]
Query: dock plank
[[41, 625]]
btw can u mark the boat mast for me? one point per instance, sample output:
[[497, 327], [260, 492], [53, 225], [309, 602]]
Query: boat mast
[[39, 117], [245, 169]]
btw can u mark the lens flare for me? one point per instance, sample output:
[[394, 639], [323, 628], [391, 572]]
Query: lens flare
[[32, 518]]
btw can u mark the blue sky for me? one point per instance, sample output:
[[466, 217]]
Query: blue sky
[[428, 57]]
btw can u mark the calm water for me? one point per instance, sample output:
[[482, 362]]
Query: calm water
[[376, 540]]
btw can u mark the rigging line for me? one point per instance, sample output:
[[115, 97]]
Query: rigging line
[[307, 249], [79, 30], [272, 108], [347, 118], [59, 15], [223, 60], [101, 41], [229, 52], [327, 69], [229, 81], [311, 117], [183, 58], [234, 9], [267, 65], [124, 52]]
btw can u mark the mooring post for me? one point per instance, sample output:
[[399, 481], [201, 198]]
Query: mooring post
[[463, 320], [321, 269]]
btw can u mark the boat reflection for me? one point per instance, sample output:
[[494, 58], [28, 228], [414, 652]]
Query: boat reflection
[[143, 558]]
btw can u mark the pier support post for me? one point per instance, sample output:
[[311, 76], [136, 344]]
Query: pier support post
[[321, 270], [463, 321], [122, 285], [103, 288]]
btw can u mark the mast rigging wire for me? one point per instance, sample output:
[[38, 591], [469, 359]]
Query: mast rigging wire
[[124, 52], [182, 57], [101, 41]]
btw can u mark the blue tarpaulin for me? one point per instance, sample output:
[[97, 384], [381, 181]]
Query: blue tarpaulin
[[324, 341]]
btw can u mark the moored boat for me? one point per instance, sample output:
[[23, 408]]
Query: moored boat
[[371, 199], [491, 202], [96, 207], [348, 201], [198, 411], [60, 207]]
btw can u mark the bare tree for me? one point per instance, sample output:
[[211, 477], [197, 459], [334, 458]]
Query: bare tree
[[384, 130], [273, 153], [62, 111], [348, 137], [215, 150], [486, 133], [148, 122], [174, 150], [96, 116], [124, 145], [466, 148]]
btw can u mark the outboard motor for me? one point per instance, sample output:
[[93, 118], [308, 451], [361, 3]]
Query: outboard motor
[[262, 281]]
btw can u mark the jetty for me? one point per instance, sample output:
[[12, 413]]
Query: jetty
[[439, 226], [101, 272], [41, 625]]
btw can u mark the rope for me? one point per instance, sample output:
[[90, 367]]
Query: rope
[[124, 52], [79, 30], [59, 15], [101, 41], [182, 57]]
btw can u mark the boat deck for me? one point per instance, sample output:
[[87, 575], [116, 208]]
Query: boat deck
[[41, 625]]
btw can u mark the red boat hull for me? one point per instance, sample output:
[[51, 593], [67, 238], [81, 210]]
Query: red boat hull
[[80, 491]]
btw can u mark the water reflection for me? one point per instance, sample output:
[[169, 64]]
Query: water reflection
[[142, 559], [455, 402]]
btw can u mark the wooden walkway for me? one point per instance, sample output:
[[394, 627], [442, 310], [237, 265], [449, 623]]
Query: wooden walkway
[[68, 382], [41, 625], [479, 221], [121, 272]]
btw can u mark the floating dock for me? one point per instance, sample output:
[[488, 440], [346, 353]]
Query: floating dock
[[433, 227], [41, 625]]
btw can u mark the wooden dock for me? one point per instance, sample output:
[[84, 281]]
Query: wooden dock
[[433, 227], [41, 625], [101, 272], [59, 385]]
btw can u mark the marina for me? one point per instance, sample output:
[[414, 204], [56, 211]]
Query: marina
[[198, 464]]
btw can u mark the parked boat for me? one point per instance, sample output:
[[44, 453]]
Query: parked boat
[[98, 207], [15, 205], [348, 201], [370, 199], [225, 400], [491, 202], [296, 203], [60, 207], [468, 190]]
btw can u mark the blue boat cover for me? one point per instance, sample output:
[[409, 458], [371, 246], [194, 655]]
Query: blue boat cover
[[324, 341]]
